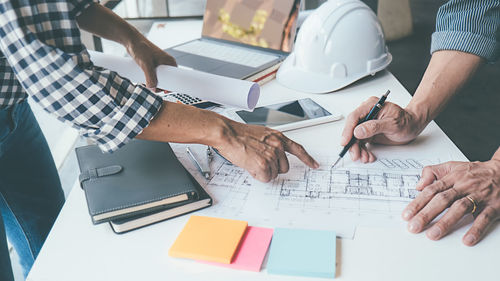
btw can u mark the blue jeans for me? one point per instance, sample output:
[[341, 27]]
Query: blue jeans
[[30, 191]]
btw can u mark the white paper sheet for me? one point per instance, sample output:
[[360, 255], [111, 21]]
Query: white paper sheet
[[351, 195], [219, 89]]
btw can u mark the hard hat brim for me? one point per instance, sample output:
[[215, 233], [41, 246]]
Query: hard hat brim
[[305, 81], [302, 80]]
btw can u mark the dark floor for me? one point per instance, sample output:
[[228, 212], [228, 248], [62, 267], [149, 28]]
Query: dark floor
[[472, 118]]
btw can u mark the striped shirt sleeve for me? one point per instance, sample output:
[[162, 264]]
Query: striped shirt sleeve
[[470, 26]]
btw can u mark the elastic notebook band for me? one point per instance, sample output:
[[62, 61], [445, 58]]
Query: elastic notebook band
[[99, 173]]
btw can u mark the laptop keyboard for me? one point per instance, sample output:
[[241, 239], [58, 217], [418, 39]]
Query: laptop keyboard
[[225, 53]]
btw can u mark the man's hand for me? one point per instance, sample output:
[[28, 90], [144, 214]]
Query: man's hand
[[447, 186], [257, 149], [102, 22], [148, 56], [447, 72], [261, 150], [394, 125]]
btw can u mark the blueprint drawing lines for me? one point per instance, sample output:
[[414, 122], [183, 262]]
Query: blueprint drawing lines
[[337, 199], [352, 183], [373, 188], [346, 188]]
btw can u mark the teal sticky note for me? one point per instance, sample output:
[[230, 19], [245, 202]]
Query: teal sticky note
[[302, 252]]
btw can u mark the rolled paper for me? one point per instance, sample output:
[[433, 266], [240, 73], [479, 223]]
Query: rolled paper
[[215, 88]]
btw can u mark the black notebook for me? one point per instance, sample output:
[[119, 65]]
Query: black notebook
[[139, 179]]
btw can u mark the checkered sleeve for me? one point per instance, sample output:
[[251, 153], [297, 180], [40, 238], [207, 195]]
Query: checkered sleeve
[[63, 80]]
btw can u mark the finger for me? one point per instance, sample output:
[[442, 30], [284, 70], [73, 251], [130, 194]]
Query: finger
[[431, 210], [364, 154], [150, 74], [457, 210], [355, 152], [371, 128], [425, 196], [282, 162], [273, 167], [257, 162], [480, 225], [353, 119], [168, 60], [262, 177], [435, 172], [299, 151], [263, 171], [272, 161], [428, 177], [371, 157], [276, 142]]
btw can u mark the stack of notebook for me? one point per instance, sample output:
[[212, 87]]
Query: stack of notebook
[[138, 185]]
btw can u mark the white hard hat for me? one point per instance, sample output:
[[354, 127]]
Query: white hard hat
[[339, 43]]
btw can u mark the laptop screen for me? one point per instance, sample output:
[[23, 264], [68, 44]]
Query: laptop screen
[[262, 23]]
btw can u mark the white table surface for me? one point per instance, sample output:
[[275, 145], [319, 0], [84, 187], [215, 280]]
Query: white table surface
[[78, 250]]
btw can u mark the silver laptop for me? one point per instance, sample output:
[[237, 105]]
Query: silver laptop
[[241, 37]]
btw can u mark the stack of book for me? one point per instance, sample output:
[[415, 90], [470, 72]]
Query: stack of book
[[265, 75], [139, 184]]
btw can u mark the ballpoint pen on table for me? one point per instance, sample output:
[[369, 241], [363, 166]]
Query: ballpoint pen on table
[[204, 167], [373, 113]]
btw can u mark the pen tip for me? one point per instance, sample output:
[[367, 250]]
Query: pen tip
[[336, 162], [387, 93]]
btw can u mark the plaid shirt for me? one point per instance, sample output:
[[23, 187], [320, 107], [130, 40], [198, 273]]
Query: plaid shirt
[[42, 56]]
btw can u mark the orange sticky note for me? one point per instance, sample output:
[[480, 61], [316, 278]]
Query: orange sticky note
[[209, 239]]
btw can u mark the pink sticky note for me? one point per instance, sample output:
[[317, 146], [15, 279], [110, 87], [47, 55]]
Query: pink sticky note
[[252, 250]]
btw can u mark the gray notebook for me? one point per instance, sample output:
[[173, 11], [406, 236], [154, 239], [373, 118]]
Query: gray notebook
[[140, 178], [127, 224]]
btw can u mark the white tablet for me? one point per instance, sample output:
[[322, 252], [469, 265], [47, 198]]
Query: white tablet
[[289, 115]]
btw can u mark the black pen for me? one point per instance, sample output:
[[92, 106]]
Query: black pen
[[373, 113]]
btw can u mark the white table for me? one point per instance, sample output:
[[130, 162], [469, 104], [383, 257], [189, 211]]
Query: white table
[[77, 250]]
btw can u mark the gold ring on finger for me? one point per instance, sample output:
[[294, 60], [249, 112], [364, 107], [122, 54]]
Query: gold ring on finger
[[474, 205]]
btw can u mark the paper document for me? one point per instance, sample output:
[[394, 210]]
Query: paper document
[[219, 89], [337, 199]]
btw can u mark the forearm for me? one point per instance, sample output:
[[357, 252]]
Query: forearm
[[496, 155], [186, 124], [446, 74], [104, 23]]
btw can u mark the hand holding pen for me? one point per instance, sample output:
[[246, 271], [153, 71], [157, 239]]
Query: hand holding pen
[[392, 125], [371, 115]]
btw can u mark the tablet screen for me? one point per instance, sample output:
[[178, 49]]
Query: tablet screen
[[284, 113]]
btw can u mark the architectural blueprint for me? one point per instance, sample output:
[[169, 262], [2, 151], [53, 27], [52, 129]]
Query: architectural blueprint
[[336, 199]]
